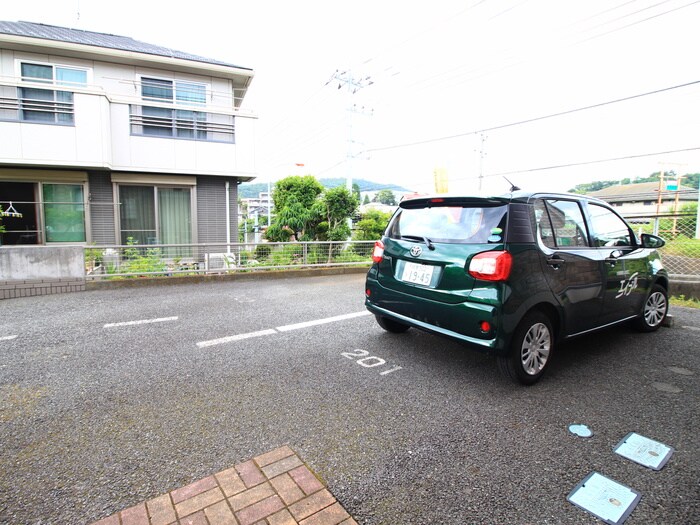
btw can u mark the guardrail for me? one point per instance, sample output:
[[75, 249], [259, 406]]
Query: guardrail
[[152, 260]]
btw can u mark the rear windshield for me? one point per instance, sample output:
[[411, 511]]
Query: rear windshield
[[453, 224]]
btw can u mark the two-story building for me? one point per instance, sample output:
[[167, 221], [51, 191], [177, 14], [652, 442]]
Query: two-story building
[[105, 138]]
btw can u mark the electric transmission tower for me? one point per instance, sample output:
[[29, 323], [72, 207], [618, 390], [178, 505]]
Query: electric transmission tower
[[352, 84]]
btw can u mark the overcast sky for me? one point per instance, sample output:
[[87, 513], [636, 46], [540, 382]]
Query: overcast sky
[[441, 72]]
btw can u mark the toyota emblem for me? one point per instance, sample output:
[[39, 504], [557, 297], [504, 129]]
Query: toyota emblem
[[416, 250]]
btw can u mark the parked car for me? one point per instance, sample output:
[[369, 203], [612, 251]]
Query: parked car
[[512, 275]]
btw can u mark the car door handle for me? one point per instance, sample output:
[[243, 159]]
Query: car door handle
[[555, 262]]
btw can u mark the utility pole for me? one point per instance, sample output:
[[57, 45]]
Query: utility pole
[[482, 154], [353, 84]]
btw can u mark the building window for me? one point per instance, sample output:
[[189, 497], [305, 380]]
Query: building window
[[159, 121], [22, 228], [48, 212], [54, 74], [64, 212], [155, 215], [46, 105], [154, 121]]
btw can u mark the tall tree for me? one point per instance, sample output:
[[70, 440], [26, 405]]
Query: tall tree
[[294, 198], [305, 212], [337, 205], [305, 189]]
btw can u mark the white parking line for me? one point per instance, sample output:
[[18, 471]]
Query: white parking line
[[8, 337], [317, 322], [691, 328], [239, 337], [144, 321], [286, 328]]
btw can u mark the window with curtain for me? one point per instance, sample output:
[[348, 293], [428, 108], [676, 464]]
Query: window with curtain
[[173, 224], [137, 214], [64, 212], [175, 219]]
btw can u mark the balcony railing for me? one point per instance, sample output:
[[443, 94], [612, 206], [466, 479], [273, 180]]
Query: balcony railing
[[59, 109], [185, 124]]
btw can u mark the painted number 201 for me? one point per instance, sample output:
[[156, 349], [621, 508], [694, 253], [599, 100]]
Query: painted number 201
[[368, 361]]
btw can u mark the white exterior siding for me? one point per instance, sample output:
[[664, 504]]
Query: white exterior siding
[[101, 136]]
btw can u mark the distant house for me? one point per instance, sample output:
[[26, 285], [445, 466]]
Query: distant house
[[260, 205], [377, 206], [106, 138], [643, 198]]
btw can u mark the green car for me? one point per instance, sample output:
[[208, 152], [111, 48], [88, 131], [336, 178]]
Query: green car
[[514, 274]]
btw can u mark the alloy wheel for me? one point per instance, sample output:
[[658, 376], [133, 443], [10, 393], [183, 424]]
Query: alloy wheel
[[535, 349], [655, 309]]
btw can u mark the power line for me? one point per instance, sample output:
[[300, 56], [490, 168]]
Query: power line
[[534, 119], [552, 167], [471, 74], [589, 162], [638, 21]]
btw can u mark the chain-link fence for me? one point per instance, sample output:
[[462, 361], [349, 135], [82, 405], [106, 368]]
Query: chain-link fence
[[681, 254], [151, 260]]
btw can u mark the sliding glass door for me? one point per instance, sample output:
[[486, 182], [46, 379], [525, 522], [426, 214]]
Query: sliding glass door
[[138, 214], [64, 212], [155, 215]]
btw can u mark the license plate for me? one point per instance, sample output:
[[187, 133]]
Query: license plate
[[417, 273]]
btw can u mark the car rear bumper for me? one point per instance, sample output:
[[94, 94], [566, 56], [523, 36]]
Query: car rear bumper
[[460, 321]]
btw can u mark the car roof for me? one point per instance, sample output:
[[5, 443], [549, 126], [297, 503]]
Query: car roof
[[489, 200]]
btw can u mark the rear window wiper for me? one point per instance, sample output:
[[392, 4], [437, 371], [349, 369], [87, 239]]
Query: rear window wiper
[[420, 238]]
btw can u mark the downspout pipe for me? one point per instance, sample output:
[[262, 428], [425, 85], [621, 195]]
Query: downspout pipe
[[228, 218]]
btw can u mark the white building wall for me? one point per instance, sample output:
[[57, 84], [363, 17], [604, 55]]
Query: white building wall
[[102, 138]]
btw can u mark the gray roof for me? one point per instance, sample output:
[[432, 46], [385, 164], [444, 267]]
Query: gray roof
[[90, 38], [643, 191]]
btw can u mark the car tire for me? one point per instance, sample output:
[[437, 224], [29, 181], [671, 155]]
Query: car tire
[[654, 310], [530, 350], [391, 326]]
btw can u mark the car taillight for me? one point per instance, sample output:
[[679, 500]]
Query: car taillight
[[491, 266], [378, 253]]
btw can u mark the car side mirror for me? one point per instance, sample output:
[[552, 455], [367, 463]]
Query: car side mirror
[[652, 241]]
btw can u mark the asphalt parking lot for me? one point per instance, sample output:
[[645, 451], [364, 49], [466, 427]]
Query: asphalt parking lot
[[108, 398]]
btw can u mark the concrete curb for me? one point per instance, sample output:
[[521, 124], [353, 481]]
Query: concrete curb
[[688, 289], [241, 276]]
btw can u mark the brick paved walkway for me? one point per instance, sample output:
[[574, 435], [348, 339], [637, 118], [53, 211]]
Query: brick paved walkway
[[275, 488]]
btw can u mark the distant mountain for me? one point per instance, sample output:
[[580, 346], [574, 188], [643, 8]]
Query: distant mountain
[[249, 190]]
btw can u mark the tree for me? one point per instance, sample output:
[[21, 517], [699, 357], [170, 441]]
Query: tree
[[337, 205], [386, 197], [372, 225], [305, 212], [356, 191], [293, 198], [305, 189], [366, 201]]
